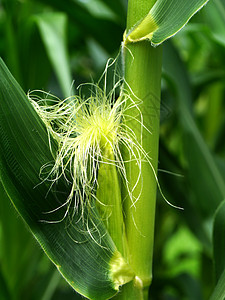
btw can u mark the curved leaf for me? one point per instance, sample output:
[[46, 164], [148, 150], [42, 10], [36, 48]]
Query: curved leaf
[[82, 251], [164, 20]]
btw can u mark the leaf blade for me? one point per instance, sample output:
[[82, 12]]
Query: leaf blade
[[164, 20]]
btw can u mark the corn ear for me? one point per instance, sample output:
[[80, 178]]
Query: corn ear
[[80, 247], [110, 205]]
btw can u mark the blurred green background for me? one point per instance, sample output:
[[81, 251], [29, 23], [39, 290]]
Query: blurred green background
[[55, 45]]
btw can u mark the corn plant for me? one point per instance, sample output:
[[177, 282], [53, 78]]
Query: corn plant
[[82, 172]]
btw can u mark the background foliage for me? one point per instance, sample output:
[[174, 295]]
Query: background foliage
[[46, 45]]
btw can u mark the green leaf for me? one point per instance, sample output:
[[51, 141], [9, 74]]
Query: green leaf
[[52, 28], [219, 240], [164, 20], [80, 247], [219, 291]]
